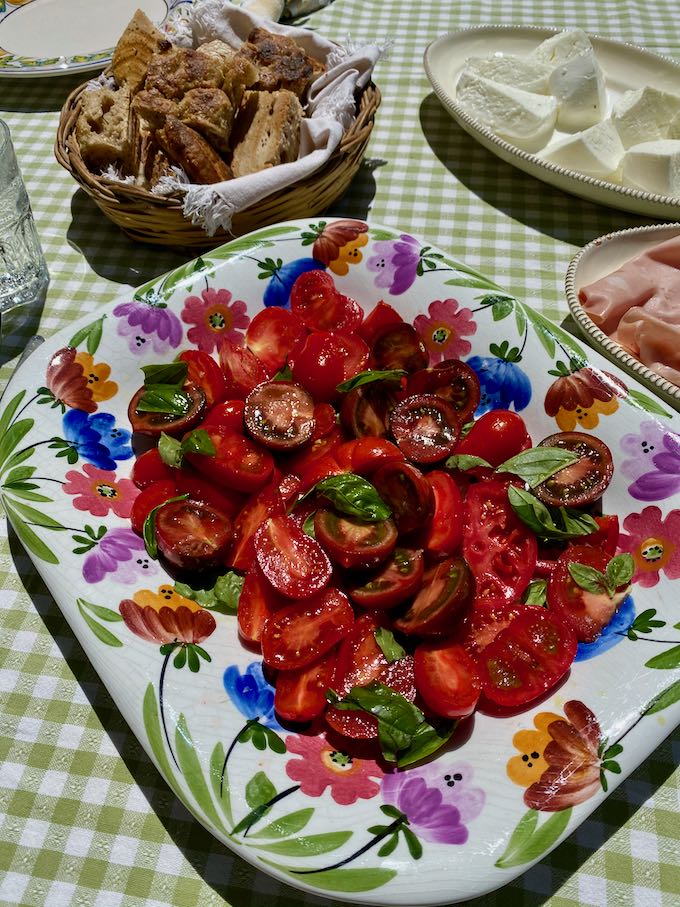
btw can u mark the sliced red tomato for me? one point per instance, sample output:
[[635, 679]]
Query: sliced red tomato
[[404, 489], [363, 456], [228, 414], [587, 613], [302, 460], [498, 546], [280, 414], [153, 424], [267, 502], [243, 371], [258, 601], [445, 593], [606, 537], [526, 659], [301, 633], [379, 318], [316, 301], [201, 490], [319, 366], [484, 621], [149, 468], [397, 580], [318, 469], [447, 678], [443, 533], [325, 420], [238, 462], [272, 336], [295, 564], [354, 543], [301, 695], [585, 480], [206, 373], [152, 496], [399, 346], [425, 427], [452, 380], [192, 536], [495, 437]]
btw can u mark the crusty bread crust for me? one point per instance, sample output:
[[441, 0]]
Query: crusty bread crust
[[210, 112], [268, 131], [102, 129], [281, 62], [132, 54], [190, 151], [180, 69]]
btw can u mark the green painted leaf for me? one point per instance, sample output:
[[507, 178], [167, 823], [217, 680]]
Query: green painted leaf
[[29, 496], [28, 538], [391, 811], [542, 332], [665, 661], [152, 726], [415, 848], [389, 846], [36, 516], [479, 283], [669, 696], [529, 841], [12, 437], [462, 268], [102, 634], [100, 611], [193, 774], [182, 275], [9, 411], [648, 404], [343, 880], [287, 825], [19, 457], [308, 846], [381, 235], [520, 319], [216, 773], [19, 474], [259, 790], [274, 742], [566, 341], [501, 309], [91, 333]]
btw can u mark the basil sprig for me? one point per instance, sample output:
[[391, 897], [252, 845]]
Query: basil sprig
[[172, 451], [388, 644], [166, 373], [149, 528], [392, 375], [354, 496], [466, 461], [533, 466], [404, 735], [164, 398], [223, 596], [550, 522], [619, 572], [535, 593]]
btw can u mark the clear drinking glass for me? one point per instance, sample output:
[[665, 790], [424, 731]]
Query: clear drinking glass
[[23, 272]]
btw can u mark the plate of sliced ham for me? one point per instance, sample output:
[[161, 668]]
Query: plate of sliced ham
[[623, 290]]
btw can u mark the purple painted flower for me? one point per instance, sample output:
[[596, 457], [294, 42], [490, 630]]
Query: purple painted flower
[[396, 263], [654, 463], [438, 800], [148, 321], [120, 556]]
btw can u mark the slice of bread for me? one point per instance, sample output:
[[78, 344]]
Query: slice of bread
[[281, 62], [132, 54], [178, 70], [267, 131], [190, 151], [102, 127], [210, 112]]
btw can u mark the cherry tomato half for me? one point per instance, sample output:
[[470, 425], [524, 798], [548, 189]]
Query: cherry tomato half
[[485, 620], [280, 414], [398, 579], [204, 371], [149, 468], [153, 495], [316, 301], [228, 414], [258, 601], [301, 695], [405, 491], [325, 360], [295, 564], [268, 502], [425, 427], [447, 678], [398, 346], [585, 480], [443, 533], [365, 410], [363, 456], [452, 380], [379, 318], [273, 334], [495, 437], [444, 595], [192, 536], [243, 371], [146, 423], [199, 489], [351, 542], [238, 462]]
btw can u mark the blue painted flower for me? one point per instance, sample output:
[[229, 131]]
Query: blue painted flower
[[502, 382], [282, 277], [148, 321], [251, 694], [613, 633], [97, 438]]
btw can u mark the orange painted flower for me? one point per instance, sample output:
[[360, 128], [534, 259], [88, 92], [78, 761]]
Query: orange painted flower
[[166, 616], [529, 765], [581, 397], [67, 383], [339, 244], [97, 375]]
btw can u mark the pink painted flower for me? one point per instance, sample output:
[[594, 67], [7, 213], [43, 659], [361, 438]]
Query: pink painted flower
[[98, 491], [654, 544], [214, 316], [444, 331], [323, 766]]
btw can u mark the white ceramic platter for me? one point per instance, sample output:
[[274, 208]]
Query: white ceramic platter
[[599, 258], [625, 66], [53, 37], [295, 804]]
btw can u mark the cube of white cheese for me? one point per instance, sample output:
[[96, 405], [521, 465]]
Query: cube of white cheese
[[511, 70], [561, 47], [654, 166], [597, 151], [645, 115], [578, 84], [520, 117]]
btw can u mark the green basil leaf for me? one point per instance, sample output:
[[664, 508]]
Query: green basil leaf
[[149, 528], [222, 597], [536, 592], [198, 441], [465, 461], [549, 522], [538, 463], [620, 570], [164, 398], [393, 375], [388, 644], [427, 739], [170, 450], [355, 496], [283, 374], [308, 526], [168, 373], [588, 578]]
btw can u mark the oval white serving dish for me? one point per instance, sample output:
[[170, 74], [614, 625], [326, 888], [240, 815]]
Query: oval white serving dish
[[625, 66]]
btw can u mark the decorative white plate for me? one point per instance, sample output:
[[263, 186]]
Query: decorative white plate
[[599, 258], [53, 37], [506, 790], [625, 67]]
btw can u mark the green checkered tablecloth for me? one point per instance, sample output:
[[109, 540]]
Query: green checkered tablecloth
[[85, 819]]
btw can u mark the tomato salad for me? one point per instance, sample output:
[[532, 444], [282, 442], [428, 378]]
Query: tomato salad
[[402, 563]]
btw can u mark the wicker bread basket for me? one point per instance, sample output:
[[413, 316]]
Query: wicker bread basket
[[158, 220]]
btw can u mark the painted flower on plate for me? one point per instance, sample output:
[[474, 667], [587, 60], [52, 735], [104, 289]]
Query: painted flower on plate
[[338, 245], [444, 328], [251, 694], [148, 322], [281, 278], [502, 382], [578, 398], [654, 544], [97, 376], [121, 556], [653, 462], [322, 766], [439, 801], [97, 438], [165, 616], [67, 382], [396, 262], [97, 491], [213, 317], [563, 761]]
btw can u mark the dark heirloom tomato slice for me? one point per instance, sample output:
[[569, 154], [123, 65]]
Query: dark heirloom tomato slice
[[149, 468], [154, 423], [444, 532], [496, 436], [258, 601], [498, 546], [192, 536], [399, 578], [267, 502], [273, 334], [445, 593], [583, 481], [587, 613], [399, 346], [197, 486], [364, 456], [301, 695], [379, 318], [352, 542], [280, 415], [425, 427], [405, 491], [530, 656], [295, 564], [153, 495], [452, 380], [243, 371], [301, 633], [365, 410], [228, 414], [204, 371], [238, 462], [447, 678]]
